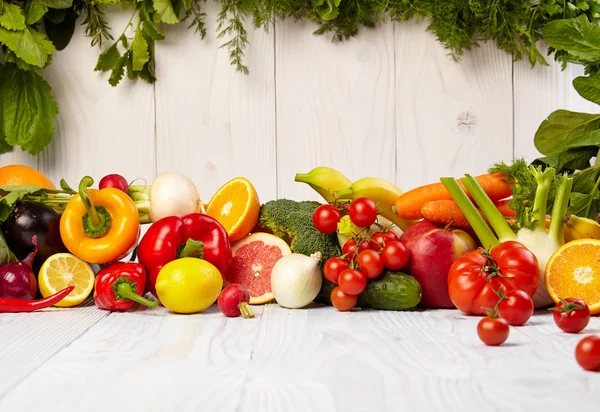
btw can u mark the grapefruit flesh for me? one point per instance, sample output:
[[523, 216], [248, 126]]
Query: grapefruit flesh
[[253, 259]]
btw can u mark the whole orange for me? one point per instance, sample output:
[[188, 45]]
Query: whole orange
[[21, 175]]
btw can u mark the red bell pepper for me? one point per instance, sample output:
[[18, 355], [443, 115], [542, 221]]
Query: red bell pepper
[[194, 235], [119, 285]]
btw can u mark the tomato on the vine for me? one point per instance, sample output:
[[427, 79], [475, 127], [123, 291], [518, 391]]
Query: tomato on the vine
[[516, 307], [492, 331], [587, 353], [333, 267], [395, 255], [352, 282], [325, 218], [349, 248], [342, 301], [475, 276], [571, 315], [370, 263], [380, 239], [363, 212]]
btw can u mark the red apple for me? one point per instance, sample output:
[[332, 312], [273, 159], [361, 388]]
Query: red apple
[[433, 249]]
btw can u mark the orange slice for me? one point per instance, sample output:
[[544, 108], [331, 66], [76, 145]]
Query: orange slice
[[236, 207], [573, 271]]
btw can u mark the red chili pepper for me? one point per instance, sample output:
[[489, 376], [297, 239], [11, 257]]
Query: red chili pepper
[[194, 235], [119, 285], [21, 305]]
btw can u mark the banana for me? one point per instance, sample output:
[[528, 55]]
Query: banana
[[325, 181], [581, 228], [380, 191]]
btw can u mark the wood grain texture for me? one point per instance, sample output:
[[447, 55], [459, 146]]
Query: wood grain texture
[[451, 118], [144, 360], [100, 129], [304, 360], [538, 92], [30, 339], [213, 123], [335, 105]]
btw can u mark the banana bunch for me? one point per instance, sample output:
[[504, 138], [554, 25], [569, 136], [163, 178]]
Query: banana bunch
[[580, 228], [333, 185]]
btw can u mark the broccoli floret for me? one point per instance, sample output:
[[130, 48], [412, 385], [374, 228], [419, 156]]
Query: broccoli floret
[[292, 221]]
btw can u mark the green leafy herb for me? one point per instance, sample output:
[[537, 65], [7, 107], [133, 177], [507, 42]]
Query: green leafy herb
[[140, 55], [11, 17], [588, 88], [58, 4], [6, 255], [28, 44], [165, 11], [35, 11]]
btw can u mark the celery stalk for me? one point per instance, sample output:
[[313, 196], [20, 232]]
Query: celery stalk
[[479, 225], [559, 210], [489, 209]]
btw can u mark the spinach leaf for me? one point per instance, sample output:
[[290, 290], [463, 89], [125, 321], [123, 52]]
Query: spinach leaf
[[61, 32], [588, 88], [585, 193], [577, 38], [564, 129], [6, 255]]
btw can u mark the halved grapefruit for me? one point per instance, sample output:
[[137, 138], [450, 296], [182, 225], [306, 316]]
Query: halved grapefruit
[[253, 259]]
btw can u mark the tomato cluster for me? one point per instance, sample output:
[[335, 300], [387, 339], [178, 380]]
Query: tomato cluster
[[363, 257]]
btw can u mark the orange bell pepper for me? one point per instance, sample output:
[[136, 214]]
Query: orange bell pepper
[[100, 226]]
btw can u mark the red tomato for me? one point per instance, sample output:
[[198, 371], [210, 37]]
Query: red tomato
[[587, 353], [395, 255], [492, 331], [352, 282], [325, 218], [363, 212], [333, 267], [342, 301], [379, 239], [349, 248], [475, 276], [571, 315], [370, 263], [516, 307]]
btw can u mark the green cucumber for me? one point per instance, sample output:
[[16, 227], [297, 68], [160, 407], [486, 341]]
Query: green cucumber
[[392, 290]]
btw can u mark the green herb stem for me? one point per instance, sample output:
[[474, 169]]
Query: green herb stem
[[559, 210], [490, 211], [479, 225], [540, 204]]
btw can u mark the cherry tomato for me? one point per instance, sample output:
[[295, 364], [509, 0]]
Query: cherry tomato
[[379, 239], [492, 331], [363, 212], [352, 281], [370, 263], [342, 301], [587, 353], [349, 248], [325, 218], [395, 255], [333, 267], [516, 307], [571, 315]]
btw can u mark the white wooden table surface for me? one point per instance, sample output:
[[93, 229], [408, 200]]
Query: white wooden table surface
[[315, 359]]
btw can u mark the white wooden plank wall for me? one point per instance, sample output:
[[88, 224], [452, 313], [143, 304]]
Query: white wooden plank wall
[[389, 103]]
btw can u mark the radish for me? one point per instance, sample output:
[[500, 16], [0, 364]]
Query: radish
[[173, 194], [114, 180], [233, 301]]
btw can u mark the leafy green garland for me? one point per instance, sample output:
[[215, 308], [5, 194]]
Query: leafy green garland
[[31, 30]]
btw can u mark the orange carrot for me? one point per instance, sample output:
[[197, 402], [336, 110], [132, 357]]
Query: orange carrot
[[445, 212], [503, 207], [409, 204]]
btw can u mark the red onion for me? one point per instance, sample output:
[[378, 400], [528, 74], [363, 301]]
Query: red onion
[[17, 280]]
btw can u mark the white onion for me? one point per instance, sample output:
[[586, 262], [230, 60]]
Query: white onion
[[296, 280], [173, 194]]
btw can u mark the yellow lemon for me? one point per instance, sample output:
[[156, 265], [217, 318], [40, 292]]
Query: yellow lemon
[[62, 270], [188, 285]]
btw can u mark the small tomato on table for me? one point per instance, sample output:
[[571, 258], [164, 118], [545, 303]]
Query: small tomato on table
[[194, 235], [475, 278], [119, 285], [100, 226]]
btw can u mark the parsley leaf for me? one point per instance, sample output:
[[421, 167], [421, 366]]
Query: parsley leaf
[[27, 109], [11, 17], [29, 45]]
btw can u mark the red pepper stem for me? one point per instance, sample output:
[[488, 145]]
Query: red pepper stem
[[191, 248], [246, 311], [125, 291], [97, 219]]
